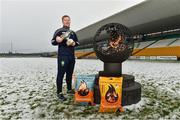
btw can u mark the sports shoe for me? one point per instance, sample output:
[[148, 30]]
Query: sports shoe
[[61, 97]]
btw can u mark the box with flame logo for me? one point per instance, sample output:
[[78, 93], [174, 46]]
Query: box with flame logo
[[111, 94], [84, 89]]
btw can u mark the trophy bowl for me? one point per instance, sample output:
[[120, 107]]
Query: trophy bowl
[[113, 43]]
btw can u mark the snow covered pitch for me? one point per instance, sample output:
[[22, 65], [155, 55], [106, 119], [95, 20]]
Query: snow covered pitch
[[27, 90]]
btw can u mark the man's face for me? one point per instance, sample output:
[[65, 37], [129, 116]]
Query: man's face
[[66, 21]]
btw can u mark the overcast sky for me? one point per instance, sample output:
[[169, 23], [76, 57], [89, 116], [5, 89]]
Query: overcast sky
[[30, 24]]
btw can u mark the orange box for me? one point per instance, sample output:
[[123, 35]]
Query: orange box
[[111, 94], [84, 89]]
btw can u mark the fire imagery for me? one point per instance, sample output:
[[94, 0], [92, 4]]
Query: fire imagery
[[116, 42], [111, 95], [83, 90]]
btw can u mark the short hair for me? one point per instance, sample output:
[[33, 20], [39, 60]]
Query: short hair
[[65, 16]]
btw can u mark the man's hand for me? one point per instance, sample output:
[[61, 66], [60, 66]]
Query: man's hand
[[73, 43], [59, 39], [70, 42]]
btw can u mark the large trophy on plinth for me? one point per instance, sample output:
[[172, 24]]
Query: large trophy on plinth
[[113, 43]]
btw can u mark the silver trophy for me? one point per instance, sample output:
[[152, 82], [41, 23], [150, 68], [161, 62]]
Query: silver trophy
[[66, 36]]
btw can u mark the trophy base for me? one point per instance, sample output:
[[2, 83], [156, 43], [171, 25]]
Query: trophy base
[[131, 90]]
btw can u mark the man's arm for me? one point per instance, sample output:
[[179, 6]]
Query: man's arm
[[56, 38], [75, 39], [53, 41]]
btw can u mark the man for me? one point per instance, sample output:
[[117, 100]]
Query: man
[[66, 41]]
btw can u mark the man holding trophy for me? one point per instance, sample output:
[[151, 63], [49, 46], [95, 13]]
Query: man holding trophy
[[66, 40]]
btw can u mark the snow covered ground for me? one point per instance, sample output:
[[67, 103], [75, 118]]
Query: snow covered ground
[[27, 90]]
